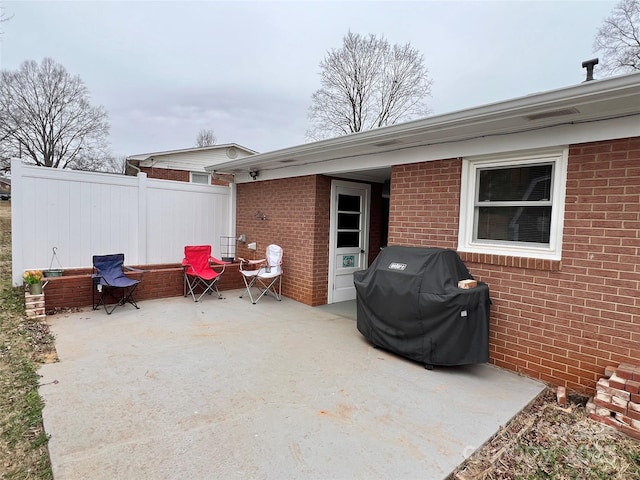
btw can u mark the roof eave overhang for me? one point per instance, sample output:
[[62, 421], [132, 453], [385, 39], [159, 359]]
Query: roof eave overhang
[[147, 156], [487, 119]]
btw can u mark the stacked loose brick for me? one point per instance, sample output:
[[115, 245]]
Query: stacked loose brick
[[617, 400], [34, 306]]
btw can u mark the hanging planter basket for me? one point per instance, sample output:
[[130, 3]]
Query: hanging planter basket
[[54, 272]]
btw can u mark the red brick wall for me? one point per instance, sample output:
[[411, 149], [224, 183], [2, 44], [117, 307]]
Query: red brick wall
[[297, 211], [425, 201], [182, 175], [561, 322], [166, 174]]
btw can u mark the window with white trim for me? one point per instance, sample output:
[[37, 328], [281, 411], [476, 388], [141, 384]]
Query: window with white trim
[[203, 178], [513, 205]]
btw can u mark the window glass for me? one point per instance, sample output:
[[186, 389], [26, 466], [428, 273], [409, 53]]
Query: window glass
[[514, 205], [515, 183], [200, 178], [527, 188], [514, 224]]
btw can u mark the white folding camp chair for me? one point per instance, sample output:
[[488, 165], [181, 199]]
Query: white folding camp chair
[[264, 274]]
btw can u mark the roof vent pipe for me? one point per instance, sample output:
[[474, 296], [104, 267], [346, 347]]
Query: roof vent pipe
[[589, 64]]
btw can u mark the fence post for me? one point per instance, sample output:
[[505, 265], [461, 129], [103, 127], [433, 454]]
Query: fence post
[[17, 226], [142, 218]]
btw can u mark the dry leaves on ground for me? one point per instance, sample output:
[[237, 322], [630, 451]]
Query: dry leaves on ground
[[546, 441]]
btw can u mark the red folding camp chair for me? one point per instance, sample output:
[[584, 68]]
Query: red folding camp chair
[[198, 271]]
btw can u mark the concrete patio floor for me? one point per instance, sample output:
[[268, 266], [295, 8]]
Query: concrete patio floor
[[224, 389]]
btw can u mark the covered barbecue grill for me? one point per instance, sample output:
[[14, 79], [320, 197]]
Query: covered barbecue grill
[[409, 303]]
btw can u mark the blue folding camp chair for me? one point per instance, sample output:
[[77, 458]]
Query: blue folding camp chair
[[110, 281]]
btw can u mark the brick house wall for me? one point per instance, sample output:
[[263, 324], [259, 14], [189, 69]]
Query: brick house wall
[[560, 322], [181, 175], [297, 211], [166, 174], [297, 219]]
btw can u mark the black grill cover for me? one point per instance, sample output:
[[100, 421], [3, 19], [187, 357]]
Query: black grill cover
[[409, 303]]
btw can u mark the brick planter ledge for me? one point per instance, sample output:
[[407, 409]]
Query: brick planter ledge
[[74, 288]]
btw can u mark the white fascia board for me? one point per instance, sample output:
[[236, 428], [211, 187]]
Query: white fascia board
[[531, 140]]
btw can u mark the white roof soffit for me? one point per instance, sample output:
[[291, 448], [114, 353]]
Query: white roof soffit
[[587, 102]]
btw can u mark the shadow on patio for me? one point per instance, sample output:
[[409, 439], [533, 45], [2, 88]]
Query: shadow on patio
[[227, 389]]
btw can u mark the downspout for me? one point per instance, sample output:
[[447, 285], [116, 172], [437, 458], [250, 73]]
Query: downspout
[[132, 165]]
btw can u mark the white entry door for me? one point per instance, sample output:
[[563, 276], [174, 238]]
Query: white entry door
[[348, 237]]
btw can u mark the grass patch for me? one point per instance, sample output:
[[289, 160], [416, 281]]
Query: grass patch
[[23, 441]]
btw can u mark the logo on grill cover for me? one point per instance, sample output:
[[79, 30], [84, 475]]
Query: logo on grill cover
[[397, 266]]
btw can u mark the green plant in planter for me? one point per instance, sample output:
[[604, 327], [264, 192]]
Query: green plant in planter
[[31, 277]]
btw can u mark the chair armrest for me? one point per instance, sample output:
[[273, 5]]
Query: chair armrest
[[134, 270], [252, 265], [217, 264], [218, 261], [251, 262], [185, 263]]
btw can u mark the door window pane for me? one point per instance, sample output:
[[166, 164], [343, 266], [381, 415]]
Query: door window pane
[[348, 203], [349, 221], [348, 239]]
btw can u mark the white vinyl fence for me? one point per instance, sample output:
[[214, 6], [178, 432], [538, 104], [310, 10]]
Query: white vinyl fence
[[87, 213]]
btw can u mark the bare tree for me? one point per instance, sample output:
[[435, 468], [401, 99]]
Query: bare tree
[[107, 163], [205, 138], [3, 17], [368, 84], [46, 118], [619, 39]]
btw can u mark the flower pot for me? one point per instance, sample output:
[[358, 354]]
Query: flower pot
[[35, 288]]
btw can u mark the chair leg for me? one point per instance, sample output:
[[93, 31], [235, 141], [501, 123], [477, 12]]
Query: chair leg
[[248, 285], [194, 282], [266, 288], [100, 301], [127, 297]]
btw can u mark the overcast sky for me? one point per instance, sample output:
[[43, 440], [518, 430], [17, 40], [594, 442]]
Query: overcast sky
[[247, 70]]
